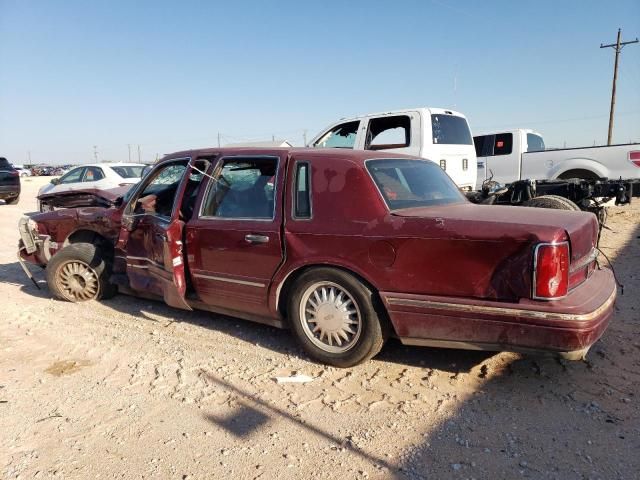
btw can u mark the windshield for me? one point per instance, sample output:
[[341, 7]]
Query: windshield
[[129, 171], [450, 130], [413, 183]]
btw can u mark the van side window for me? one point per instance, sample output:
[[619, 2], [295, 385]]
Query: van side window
[[302, 196], [388, 132], [342, 136], [503, 144]]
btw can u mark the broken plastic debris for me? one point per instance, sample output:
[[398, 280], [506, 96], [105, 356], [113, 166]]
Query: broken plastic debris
[[294, 379]]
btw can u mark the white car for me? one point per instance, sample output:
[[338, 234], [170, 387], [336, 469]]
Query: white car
[[24, 172], [98, 176]]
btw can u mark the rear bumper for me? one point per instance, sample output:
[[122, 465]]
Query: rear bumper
[[566, 327], [9, 191]]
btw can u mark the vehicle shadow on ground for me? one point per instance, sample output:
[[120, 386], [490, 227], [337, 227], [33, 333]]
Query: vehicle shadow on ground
[[546, 418], [455, 361]]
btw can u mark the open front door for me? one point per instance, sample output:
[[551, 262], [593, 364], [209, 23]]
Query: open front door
[[152, 232]]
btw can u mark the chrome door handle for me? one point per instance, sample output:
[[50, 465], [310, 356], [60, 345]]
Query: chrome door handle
[[252, 238]]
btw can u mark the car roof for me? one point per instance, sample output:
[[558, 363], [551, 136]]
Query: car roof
[[114, 164], [311, 154]]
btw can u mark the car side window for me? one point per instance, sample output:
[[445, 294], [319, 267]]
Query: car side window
[[302, 191], [93, 174], [342, 136], [73, 176], [388, 132], [243, 188]]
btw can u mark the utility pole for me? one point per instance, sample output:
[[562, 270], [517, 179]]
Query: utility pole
[[218, 139], [139, 161], [129, 147], [29, 156], [618, 48], [304, 137], [95, 152]]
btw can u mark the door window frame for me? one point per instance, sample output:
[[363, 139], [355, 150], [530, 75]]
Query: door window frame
[[294, 190], [213, 179], [129, 209]]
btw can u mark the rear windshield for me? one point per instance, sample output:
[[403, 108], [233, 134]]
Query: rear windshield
[[129, 172], [4, 164], [413, 183], [450, 130]]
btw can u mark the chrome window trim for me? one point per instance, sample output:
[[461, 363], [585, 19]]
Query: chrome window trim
[[216, 170], [294, 192], [535, 269]]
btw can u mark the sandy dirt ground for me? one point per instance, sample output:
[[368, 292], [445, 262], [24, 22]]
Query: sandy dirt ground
[[129, 388]]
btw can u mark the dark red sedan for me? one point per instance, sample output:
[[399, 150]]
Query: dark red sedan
[[345, 248]]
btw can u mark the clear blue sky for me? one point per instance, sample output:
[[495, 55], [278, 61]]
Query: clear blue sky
[[170, 75]]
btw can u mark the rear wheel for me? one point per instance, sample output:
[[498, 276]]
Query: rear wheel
[[552, 201], [79, 272], [334, 318]]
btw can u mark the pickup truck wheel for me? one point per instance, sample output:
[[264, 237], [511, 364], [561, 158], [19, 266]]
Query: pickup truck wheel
[[552, 201], [333, 317], [79, 272]]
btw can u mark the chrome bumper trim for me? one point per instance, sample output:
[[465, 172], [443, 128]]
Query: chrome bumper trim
[[504, 311]]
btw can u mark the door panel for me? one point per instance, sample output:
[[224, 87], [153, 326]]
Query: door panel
[[235, 245]]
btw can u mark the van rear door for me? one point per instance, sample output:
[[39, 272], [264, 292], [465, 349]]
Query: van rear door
[[452, 147]]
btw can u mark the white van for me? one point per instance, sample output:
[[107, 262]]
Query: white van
[[437, 134]]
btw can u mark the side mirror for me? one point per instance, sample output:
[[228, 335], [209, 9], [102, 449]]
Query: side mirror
[[118, 202], [55, 181]]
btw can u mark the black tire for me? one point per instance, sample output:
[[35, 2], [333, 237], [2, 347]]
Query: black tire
[[84, 264], [555, 202], [579, 173], [370, 330], [12, 201]]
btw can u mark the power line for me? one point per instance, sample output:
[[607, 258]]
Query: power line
[[618, 48]]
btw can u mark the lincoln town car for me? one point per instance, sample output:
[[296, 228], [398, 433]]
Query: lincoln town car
[[344, 248]]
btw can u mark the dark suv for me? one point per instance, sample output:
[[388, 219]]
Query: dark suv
[[9, 182]]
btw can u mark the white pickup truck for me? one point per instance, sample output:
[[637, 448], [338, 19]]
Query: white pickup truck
[[437, 134], [520, 154]]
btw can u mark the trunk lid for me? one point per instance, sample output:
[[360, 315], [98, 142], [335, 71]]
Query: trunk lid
[[580, 228]]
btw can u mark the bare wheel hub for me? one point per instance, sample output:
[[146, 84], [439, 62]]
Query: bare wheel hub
[[77, 280], [330, 317]]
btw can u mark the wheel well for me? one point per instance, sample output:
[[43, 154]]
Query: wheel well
[[89, 236], [579, 173], [290, 281]]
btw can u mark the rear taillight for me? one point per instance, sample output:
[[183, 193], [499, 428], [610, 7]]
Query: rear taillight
[[551, 271], [14, 173], [634, 157]]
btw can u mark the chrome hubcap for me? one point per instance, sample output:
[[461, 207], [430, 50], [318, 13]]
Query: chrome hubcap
[[77, 280], [330, 317]]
